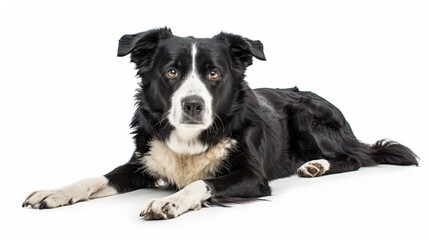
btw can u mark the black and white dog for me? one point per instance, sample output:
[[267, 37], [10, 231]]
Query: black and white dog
[[200, 128]]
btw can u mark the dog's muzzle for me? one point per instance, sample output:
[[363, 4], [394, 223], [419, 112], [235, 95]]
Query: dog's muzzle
[[193, 109]]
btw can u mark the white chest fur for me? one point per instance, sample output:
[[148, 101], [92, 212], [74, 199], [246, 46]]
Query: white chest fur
[[182, 169]]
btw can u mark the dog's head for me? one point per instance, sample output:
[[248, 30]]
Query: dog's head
[[189, 81]]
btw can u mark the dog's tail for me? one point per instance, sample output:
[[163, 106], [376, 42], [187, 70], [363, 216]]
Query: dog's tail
[[390, 152]]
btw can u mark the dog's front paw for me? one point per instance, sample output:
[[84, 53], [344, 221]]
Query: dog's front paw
[[189, 198], [160, 209], [47, 199], [166, 208]]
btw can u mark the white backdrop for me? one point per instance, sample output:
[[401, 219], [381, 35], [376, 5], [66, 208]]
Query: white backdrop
[[66, 101]]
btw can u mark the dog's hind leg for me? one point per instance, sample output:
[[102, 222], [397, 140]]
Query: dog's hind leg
[[324, 133]]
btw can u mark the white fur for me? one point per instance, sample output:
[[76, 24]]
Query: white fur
[[183, 169], [80, 191], [192, 85], [303, 169], [189, 198], [188, 145]]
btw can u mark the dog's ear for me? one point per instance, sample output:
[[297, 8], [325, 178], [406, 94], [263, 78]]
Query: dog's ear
[[242, 49], [142, 45]]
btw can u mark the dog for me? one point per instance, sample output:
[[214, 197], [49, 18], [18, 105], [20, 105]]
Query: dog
[[199, 127]]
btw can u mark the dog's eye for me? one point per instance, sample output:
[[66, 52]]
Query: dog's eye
[[214, 75], [172, 73]]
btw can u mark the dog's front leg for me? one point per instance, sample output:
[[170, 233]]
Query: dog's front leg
[[242, 184], [80, 191], [122, 179], [189, 198]]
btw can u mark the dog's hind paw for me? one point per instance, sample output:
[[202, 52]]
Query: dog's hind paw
[[313, 168]]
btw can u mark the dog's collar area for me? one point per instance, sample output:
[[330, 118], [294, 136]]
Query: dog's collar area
[[185, 141]]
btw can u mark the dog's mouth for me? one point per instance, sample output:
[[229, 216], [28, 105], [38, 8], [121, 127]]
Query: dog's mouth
[[191, 121]]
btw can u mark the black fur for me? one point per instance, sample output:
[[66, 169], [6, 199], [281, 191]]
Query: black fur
[[277, 130]]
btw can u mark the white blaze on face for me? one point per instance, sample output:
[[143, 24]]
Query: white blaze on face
[[192, 85]]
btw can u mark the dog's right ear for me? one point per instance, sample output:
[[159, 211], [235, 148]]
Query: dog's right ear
[[142, 45]]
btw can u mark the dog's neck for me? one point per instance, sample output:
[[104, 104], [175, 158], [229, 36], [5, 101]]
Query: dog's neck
[[185, 141]]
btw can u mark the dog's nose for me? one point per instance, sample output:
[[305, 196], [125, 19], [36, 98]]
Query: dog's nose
[[193, 105]]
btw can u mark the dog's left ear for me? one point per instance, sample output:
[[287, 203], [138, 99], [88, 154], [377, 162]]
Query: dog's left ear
[[242, 49]]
